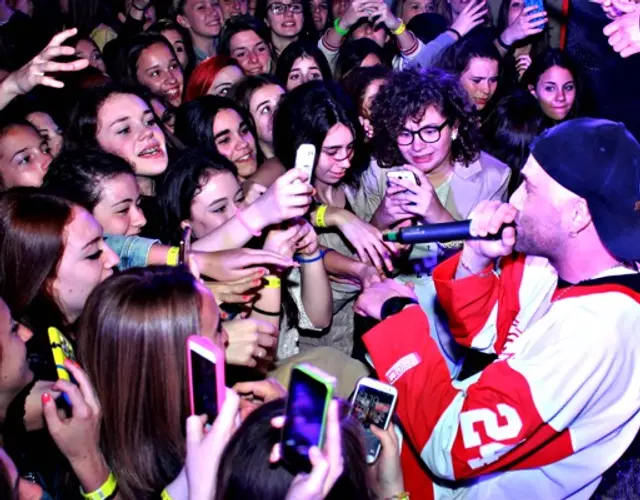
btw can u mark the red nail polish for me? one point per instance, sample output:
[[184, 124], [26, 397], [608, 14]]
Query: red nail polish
[[46, 397]]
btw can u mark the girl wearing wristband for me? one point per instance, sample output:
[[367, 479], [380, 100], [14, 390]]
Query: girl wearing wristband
[[343, 196]]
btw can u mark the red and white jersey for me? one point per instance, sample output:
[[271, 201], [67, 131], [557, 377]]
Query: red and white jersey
[[558, 407]]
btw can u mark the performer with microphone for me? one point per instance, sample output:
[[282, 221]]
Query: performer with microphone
[[557, 299]]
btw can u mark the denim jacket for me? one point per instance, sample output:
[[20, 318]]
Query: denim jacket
[[132, 250]]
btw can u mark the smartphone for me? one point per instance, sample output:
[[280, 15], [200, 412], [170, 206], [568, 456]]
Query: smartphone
[[61, 350], [539, 4], [402, 175], [373, 403], [310, 392], [185, 246], [205, 364], [305, 159]]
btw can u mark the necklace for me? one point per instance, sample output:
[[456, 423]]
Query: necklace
[[566, 290]]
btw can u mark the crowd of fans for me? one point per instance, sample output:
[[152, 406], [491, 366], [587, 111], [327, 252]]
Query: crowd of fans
[[122, 123]]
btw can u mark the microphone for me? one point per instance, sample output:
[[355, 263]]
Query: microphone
[[448, 231]]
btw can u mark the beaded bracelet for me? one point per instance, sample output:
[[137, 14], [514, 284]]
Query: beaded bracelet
[[107, 490], [400, 496], [173, 256], [340, 31]]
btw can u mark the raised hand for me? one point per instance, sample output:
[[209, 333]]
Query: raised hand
[[240, 291], [474, 14], [527, 24], [285, 199], [370, 301], [35, 71], [487, 219], [419, 200], [624, 32], [204, 449], [366, 240], [250, 340]]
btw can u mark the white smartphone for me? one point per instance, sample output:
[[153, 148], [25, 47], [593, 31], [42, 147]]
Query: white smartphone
[[205, 364], [402, 175], [373, 403], [305, 159]]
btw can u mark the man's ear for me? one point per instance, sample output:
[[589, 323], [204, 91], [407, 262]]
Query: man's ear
[[580, 216]]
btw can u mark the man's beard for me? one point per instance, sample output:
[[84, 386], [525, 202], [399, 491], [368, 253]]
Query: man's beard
[[533, 238]]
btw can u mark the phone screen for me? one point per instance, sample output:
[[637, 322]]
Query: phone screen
[[185, 245], [304, 419], [371, 406], [205, 397]]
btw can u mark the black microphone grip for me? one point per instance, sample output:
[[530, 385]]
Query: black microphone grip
[[448, 231]]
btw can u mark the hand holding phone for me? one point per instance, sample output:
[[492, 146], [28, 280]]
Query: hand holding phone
[[373, 403], [310, 393], [305, 159], [205, 363], [401, 175]]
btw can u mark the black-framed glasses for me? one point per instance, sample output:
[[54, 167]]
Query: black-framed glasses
[[279, 9], [428, 134]]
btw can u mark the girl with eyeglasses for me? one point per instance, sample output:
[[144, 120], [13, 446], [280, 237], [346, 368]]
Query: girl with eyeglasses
[[288, 20], [423, 122]]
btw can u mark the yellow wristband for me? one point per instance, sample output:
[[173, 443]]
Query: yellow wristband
[[165, 495], [172, 256], [107, 490], [273, 282], [320, 222], [401, 496], [400, 29]]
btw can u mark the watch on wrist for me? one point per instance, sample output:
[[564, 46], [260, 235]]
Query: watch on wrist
[[394, 305]]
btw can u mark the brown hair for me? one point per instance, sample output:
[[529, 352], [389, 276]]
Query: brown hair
[[32, 241], [132, 336]]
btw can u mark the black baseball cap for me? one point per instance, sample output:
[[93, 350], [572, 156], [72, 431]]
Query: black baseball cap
[[598, 160]]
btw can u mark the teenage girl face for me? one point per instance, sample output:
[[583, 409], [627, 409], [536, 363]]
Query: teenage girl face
[[480, 80], [86, 261], [87, 49], [14, 368], [226, 78], [411, 8], [320, 12], [335, 155], [233, 139], [251, 52], [376, 33], [118, 211], [159, 71], [556, 92], [286, 24], [262, 106], [24, 157], [304, 69], [202, 17], [428, 156], [216, 201], [48, 130], [128, 129], [177, 42]]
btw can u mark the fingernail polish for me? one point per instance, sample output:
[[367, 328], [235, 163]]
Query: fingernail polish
[[46, 397]]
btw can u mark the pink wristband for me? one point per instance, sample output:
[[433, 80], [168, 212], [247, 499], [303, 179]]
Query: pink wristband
[[242, 221]]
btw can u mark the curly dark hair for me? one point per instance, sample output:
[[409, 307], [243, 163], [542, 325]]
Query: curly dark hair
[[407, 95]]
